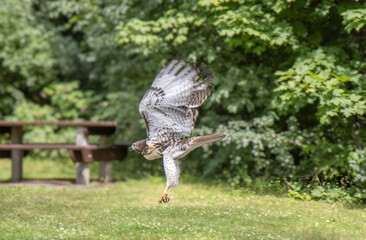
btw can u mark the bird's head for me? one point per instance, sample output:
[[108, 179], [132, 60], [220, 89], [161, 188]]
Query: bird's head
[[139, 146]]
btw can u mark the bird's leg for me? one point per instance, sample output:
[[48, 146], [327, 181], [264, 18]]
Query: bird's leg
[[165, 198]]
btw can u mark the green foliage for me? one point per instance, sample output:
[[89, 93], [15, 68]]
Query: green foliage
[[254, 149], [252, 26], [290, 77], [318, 79], [327, 192], [59, 101], [25, 54], [354, 19]]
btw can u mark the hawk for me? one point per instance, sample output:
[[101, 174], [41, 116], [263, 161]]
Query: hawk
[[169, 110]]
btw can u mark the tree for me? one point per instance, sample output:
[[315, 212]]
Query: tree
[[290, 77]]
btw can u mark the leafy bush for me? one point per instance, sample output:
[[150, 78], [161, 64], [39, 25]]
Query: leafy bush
[[290, 78], [328, 192]]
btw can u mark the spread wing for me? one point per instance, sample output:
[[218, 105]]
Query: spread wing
[[171, 169], [168, 106]]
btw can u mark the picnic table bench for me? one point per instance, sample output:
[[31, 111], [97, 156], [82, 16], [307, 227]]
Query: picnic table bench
[[81, 152]]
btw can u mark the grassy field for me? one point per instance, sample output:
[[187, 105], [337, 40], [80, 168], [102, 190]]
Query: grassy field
[[129, 210]]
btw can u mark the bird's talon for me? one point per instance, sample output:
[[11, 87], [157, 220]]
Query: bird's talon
[[164, 199]]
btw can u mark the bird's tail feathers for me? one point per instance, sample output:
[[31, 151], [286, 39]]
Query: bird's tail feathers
[[200, 140], [196, 142]]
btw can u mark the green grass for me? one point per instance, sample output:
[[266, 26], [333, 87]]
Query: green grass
[[129, 210], [44, 169]]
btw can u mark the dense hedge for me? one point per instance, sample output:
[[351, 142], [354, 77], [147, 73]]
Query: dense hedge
[[290, 78]]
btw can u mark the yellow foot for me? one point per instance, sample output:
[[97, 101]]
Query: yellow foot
[[165, 198]]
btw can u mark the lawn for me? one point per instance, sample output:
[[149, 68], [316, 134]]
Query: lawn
[[129, 210]]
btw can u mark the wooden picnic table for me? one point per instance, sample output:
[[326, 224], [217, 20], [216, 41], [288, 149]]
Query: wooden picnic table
[[81, 152]]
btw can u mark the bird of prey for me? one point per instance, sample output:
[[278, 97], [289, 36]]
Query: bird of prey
[[169, 110]]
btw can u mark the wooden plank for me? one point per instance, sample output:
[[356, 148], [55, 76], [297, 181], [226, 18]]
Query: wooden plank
[[109, 154], [107, 131], [5, 154], [87, 155], [75, 155], [5, 130], [101, 155], [62, 123], [31, 146]]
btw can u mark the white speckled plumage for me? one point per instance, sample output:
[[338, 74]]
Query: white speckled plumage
[[168, 108]]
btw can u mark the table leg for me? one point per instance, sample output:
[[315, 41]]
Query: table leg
[[82, 168], [105, 168], [105, 171], [16, 155], [82, 173]]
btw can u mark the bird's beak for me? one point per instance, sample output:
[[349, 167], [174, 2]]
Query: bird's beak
[[131, 148]]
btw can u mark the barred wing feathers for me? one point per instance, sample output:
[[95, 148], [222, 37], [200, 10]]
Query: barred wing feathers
[[168, 105]]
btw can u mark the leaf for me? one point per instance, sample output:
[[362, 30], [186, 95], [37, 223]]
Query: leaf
[[331, 113], [347, 112], [317, 192], [354, 19], [316, 77], [343, 78], [337, 92], [354, 97]]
